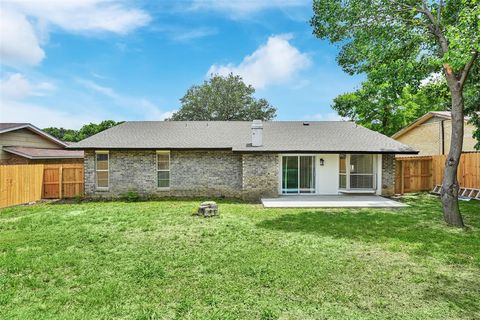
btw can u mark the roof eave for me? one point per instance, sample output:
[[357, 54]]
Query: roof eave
[[27, 156], [419, 121], [145, 148], [412, 125], [36, 130], [252, 150], [330, 151]]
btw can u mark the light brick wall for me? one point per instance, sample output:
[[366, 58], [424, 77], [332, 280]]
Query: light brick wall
[[201, 174], [206, 173], [260, 176], [192, 174], [388, 174]]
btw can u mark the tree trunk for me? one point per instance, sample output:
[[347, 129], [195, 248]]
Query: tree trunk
[[449, 193]]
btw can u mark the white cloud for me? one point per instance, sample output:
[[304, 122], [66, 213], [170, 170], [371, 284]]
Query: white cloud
[[42, 116], [275, 62], [25, 24], [244, 7], [85, 15], [109, 92], [145, 107], [330, 116], [16, 87], [18, 42], [191, 34]]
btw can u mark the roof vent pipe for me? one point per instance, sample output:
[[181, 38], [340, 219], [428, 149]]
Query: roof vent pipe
[[257, 135]]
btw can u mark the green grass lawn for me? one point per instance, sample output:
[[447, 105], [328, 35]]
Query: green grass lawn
[[150, 260]]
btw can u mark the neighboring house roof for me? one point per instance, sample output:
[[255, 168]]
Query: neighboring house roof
[[38, 153], [278, 136], [445, 115], [7, 127]]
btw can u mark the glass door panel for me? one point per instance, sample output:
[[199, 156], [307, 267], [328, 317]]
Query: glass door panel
[[290, 174], [298, 174], [343, 171], [307, 174]]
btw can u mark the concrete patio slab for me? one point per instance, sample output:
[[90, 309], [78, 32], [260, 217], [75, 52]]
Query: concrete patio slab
[[331, 201]]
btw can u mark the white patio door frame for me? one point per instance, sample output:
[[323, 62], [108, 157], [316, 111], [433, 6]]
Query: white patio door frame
[[313, 179]]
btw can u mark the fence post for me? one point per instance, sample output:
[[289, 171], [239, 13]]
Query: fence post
[[402, 178], [60, 181]]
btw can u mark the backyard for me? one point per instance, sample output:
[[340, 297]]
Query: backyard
[[149, 260]]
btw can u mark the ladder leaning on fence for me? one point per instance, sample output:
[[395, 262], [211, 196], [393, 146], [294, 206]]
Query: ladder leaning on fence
[[463, 193]]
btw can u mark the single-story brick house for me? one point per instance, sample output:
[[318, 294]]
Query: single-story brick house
[[241, 159]]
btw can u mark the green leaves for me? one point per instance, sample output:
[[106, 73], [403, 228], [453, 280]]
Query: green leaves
[[374, 33], [463, 35], [387, 108], [399, 44], [223, 98], [86, 131]]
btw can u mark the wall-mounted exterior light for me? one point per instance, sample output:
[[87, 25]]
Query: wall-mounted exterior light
[[322, 162]]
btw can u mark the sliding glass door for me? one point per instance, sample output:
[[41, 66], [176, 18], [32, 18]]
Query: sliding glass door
[[298, 174]]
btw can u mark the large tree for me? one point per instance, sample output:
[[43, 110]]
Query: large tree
[[383, 107], [405, 41], [85, 131], [223, 98], [387, 108]]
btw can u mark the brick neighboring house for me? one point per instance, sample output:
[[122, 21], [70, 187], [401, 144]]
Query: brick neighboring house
[[23, 143], [431, 134], [239, 159]]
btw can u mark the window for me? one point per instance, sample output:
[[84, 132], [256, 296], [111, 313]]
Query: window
[[361, 171], [357, 171], [298, 174], [163, 169], [343, 171], [101, 169]]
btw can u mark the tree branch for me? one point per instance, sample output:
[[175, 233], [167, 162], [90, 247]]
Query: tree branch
[[440, 4], [466, 69], [435, 28]]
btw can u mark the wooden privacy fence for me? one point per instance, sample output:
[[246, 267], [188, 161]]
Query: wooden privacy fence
[[422, 173], [20, 184], [62, 181], [31, 182]]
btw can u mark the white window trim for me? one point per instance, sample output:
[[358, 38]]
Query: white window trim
[[169, 171], [108, 170], [348, 174]]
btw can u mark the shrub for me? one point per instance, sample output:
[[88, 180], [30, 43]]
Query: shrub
[[130, 196], [77, 198]]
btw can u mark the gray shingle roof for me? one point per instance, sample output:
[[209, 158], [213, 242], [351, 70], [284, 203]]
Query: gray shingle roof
[[278, 136]]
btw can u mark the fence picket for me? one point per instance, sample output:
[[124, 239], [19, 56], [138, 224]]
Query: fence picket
[[422, 173], [32, 182]]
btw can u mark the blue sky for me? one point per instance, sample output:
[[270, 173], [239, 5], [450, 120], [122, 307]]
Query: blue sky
[[67, 63]]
